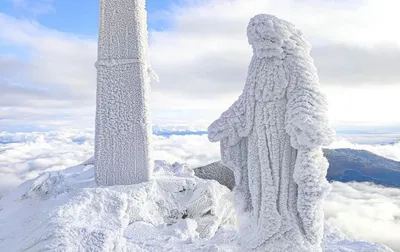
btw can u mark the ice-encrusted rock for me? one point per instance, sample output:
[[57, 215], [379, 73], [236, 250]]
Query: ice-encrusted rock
[[47, 185], [209, 210], [123, 128], [272, 138], [216, 171]]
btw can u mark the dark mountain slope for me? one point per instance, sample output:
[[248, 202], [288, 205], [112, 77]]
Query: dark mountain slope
[[345, 165]]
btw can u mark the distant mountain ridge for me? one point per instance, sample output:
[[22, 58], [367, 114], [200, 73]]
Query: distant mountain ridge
[[347, 165]]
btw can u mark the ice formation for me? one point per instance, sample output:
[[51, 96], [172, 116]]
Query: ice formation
[[123, 133], [271, 138]]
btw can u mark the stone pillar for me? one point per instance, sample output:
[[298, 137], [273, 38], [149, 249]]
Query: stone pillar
[[123, 128]]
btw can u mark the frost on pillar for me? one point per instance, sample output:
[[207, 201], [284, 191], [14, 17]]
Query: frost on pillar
[[271, 138], [123, 133]]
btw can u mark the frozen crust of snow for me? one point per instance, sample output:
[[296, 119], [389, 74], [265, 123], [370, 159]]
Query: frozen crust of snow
[[123, 129], [65, 211]]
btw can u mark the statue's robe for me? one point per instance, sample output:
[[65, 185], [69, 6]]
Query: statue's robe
[[271, 138]]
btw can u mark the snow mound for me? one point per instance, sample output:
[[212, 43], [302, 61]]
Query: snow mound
[[65, 211]]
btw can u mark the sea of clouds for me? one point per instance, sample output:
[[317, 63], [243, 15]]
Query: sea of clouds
[[363, 211]]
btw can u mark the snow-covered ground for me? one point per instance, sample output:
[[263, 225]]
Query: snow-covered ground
[[65, 211], [362, 211]]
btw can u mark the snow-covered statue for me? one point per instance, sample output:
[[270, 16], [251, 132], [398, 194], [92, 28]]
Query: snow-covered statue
[[271, 138]]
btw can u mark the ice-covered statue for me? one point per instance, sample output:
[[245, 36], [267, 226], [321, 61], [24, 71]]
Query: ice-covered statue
[[271, 137]]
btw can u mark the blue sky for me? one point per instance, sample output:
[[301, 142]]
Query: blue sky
[[74, 16]]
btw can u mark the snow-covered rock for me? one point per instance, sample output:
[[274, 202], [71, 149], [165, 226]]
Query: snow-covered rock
[[217, 171], [65, 211]]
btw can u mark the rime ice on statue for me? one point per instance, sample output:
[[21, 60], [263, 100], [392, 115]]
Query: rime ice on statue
[[271, 138], [122, 144]]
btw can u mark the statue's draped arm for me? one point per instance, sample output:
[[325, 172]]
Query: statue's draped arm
[[235, 123], [307, 125], [227, 125], [231, 130]]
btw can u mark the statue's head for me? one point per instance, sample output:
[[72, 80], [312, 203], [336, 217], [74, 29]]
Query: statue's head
[[273, 37]]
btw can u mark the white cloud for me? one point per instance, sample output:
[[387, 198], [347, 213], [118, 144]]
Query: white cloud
[[54, 78], [391, 151], [57, 63], [25, 155], [366, 212], [28, 154], [194, 150], [354, 53]]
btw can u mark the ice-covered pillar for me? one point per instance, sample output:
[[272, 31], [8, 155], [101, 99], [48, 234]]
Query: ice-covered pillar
[[123, 129]]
